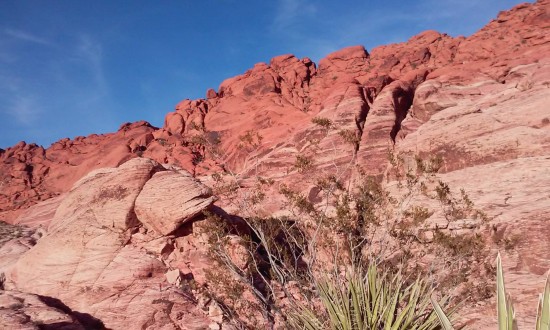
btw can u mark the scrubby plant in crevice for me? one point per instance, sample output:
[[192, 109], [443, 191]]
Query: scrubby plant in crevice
[[263, 261], [456, 244], [364, 225]]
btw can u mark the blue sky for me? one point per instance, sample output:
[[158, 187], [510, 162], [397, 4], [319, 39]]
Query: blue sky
[[70, 68]]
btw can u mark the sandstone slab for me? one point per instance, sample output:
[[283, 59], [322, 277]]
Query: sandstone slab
[[169, 199]]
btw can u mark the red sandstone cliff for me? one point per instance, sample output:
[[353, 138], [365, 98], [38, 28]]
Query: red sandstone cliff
[[481, 102], [368, 93]]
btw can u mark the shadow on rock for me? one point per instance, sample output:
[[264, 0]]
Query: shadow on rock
[[88, 321]]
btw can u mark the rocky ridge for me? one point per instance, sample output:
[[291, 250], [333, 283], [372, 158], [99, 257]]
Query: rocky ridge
[[480, 102]]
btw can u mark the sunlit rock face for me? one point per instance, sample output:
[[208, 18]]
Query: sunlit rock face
[[480, 102], [94, 257]]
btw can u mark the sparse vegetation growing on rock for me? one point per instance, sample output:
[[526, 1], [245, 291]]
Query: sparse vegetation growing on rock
[[301, 219], [282, 259], [9, 232], [322, 122]]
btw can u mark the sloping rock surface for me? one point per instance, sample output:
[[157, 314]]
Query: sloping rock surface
[[163, 205], [89, 261], [30, 312]]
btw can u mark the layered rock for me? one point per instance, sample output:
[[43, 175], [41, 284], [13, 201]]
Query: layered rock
[[30, 173], [157, 208], [479, 102], [278, 100], [96, 260], [31, 312]]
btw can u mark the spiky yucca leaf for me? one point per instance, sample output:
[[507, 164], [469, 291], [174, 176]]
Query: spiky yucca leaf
[[304, 318], [543, 312], [368, 300], [443, 319], [505, 309]]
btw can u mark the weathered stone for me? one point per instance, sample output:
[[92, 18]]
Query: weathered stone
[[95, 268], [173, 277], [170, 199], [20, 310]]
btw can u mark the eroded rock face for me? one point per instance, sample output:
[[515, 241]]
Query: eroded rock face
[[278, 100], [495, 143], [30, 174], [88, 258], [511, 191], [479, 102]]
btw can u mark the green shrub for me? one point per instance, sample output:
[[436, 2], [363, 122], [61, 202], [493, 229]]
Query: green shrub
[[368, 300], [323, 122]]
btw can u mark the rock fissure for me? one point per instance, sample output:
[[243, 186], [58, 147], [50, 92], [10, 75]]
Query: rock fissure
[[402, 102]]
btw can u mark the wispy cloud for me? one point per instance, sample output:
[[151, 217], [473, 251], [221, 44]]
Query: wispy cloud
[[90, 52], [24, 110], [28, 37], [66, 82], [291, 11], [17, 103]]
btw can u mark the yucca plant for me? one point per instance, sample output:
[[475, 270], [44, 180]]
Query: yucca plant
[[368, 301], [543, 311], [505, 309]]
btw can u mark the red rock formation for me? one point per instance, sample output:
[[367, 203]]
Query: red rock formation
[[20, 310], [30, 173], [481, 102], [278, 101], [101, 264]]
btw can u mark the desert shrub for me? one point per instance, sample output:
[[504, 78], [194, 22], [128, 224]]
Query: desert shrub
[[418, 214], [303, 163], [349, 136], [361, 225], [9, 232], [357, 231], [250, 140], [322, 122], [367, 299]]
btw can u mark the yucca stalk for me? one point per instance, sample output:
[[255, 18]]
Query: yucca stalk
[[505, 309], [543, 311], [368, 300]]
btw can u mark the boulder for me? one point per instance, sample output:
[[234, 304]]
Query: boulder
[[87, 259], [24, 311], [169, 199]]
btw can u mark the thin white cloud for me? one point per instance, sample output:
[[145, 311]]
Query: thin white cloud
[[25, 102], [90, 52], [16, 102], [291, 11], [24, 36], [24, 110]]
